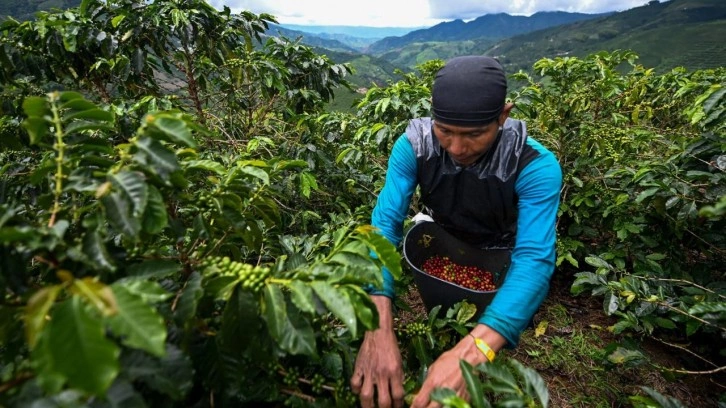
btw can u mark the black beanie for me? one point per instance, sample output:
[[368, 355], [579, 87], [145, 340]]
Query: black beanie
[[469, 91]]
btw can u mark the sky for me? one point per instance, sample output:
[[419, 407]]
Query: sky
[[410, 13]]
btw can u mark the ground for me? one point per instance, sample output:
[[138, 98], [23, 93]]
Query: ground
[[571, 356]]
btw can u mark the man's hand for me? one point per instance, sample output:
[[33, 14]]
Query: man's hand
[[445, 372], [378, 367]]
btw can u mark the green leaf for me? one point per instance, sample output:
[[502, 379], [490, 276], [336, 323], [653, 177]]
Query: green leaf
[[302, 296], [174, 128], [95, 250], [256, 172], [383, 248], [332, 365], [716, 308], [286, 326], [598, 262], [155, 217], [241, 323], [37, 128], [623, 355], [365, 309], [189, 299], [466, 312], [133, 185], [172, 375], [95, 114], [154, 268], [307, 184], [136, 323], [647, 193], [36, 312], [149, 291], [79, 349], [473, 386], [123, 395], [152, 153], [36, 107], [209, 165], [338, 303], [118, 213], [533, 382]]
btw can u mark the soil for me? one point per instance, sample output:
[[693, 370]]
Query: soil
[[586, 315]]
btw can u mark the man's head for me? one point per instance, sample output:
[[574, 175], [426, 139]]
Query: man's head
[[469, 91], [468, 100]]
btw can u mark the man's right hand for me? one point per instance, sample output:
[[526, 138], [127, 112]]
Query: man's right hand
[[378, 367]]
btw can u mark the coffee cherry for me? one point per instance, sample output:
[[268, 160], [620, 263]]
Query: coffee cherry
[[252, 278], [470, 277]]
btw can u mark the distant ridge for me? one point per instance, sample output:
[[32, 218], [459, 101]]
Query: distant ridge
[[353, 31], [492, 26]]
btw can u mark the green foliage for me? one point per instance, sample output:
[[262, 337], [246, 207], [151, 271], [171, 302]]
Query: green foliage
[[642, 202]]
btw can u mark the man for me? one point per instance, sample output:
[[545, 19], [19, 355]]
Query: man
[[482, 179]]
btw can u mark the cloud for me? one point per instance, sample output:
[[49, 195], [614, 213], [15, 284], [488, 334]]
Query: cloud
[[335, 12]]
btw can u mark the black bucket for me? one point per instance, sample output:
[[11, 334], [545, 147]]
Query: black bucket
[[425, 240]]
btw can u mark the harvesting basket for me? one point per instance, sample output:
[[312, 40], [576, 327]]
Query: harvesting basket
[[427, 239]]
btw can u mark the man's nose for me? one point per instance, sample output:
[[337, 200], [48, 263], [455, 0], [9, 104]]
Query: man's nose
[[457, 146]]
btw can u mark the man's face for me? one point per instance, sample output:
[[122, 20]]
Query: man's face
[[466, 144]]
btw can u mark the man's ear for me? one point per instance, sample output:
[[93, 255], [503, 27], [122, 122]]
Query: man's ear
[[505, 113]]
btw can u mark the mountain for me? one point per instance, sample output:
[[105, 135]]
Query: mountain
[[309, 39], [26, 9], [375, 33], [688, 33], [494, 26]]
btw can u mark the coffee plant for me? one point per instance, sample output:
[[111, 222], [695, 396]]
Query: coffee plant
[[643, 158]]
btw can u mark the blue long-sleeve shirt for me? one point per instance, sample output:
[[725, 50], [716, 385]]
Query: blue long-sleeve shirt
[[533, 256]]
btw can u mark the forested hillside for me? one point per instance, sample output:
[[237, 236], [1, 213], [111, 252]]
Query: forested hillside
[[665, 35], [490, 26], [25, 9], [184, 224]]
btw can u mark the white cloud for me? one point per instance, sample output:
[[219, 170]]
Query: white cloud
[[411, 13], [379, 13]]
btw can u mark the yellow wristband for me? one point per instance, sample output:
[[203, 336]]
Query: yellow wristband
[[484, 348]]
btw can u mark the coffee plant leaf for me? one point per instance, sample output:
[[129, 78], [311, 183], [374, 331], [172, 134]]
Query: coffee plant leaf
[[448, 398], [149, 291], [473, 385], [365, 309], [286, 326], [79, 349], [186, 307], [155, 217], [122, 394], [136, 323], [152, 268], [133, 185], [302, 296], [36, 312], [534, 384], [338, 303], [209, 165], [152, 153], [173, 127], [241, 321], [171, 374], [119, 214], [384, 249]]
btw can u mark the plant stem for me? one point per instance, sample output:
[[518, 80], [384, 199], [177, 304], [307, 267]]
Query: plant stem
[[60, 151]]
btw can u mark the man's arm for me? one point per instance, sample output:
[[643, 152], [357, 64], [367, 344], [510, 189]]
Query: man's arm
[[533, 257], [394, 201]]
